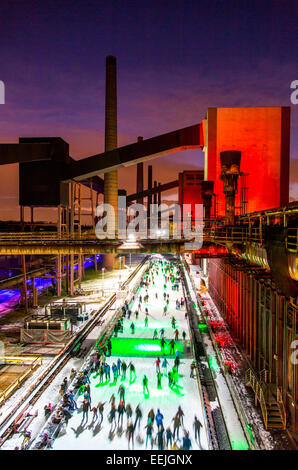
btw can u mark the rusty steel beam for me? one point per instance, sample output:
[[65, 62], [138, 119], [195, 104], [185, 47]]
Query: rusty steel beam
[[150, 192], [92, 248], [21, 153], [39, 149], [182, 139]]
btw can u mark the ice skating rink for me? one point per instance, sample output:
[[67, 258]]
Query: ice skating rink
[[142, 351]]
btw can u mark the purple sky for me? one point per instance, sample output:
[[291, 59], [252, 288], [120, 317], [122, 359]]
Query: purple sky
[[174, 60]]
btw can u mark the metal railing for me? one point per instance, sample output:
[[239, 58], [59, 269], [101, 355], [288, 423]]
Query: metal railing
[[261, 387], [257, 386], [292, 240], [45, 236], [237, 234], [216, 232], [32, 361], [265, 376], [49, 373], [281, 406]]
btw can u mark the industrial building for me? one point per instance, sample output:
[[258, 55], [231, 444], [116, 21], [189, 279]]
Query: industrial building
[[250, 235]]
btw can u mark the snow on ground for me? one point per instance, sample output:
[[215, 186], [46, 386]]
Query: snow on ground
[[52, 391], [51, 394], [233, 423], [232, 353], [93, 436]]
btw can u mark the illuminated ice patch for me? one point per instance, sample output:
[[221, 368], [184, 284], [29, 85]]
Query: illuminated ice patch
[[148, 348]]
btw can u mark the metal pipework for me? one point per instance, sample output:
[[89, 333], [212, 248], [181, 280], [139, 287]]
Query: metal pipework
[[230, 172], [207, 194]]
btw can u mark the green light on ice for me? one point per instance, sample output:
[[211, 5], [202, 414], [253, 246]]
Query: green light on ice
[[241, 445], [250, 434], [142, 347], [213, 364], [149, 348]]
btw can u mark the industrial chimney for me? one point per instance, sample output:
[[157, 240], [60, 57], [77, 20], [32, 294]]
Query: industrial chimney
[[230, 172], [111, 178], [140, 178], [207, 194]]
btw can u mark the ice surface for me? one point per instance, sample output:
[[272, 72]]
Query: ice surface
[[93, 436]]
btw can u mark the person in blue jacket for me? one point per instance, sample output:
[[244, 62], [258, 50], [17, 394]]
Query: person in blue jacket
[[186, 443], [115, 371], [159, 419], [107, 370]]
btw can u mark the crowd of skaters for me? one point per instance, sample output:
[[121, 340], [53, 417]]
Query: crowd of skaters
[[164, 438]]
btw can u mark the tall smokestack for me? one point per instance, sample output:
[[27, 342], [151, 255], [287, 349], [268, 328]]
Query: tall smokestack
[[149, 198], [140, 177], [111, 105], [155, 212], [111, 178], [155, 194], [159, 203]]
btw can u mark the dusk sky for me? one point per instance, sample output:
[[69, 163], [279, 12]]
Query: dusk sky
[[174, 60]]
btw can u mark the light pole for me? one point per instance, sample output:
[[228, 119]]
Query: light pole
[[102, 277], [120, 258], [132, 239]]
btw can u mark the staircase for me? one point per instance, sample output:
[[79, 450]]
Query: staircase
[[269, 398], [274, 417]]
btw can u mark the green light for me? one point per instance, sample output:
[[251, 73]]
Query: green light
[[142, 347], [113, 384], [102, 384], [240, 446], [148, 348], [213, 364], [132, 381], [250, 434]]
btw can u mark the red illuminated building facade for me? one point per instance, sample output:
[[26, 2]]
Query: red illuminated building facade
[[190, 192], [260, 310], [262, 135], [263, 320]]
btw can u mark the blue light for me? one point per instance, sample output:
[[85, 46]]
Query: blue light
[[11, 296]]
